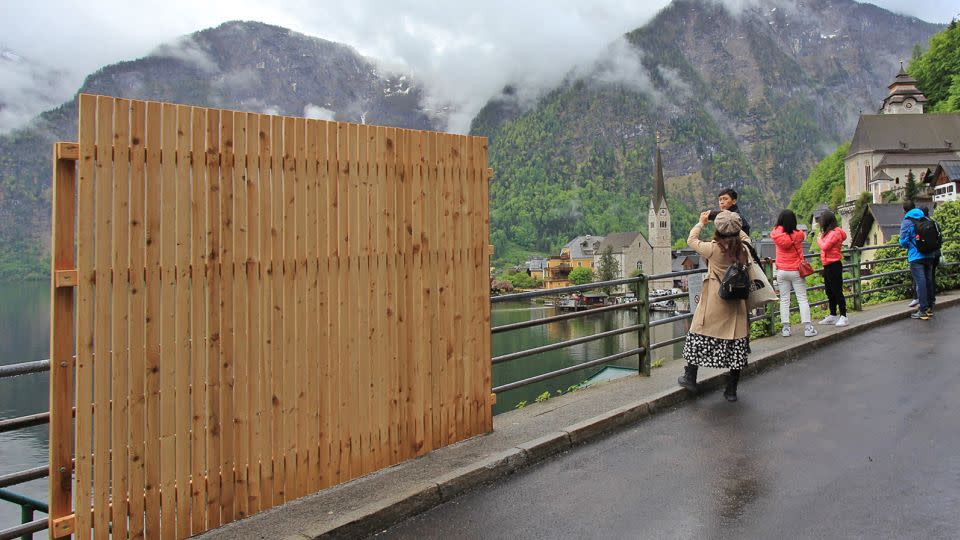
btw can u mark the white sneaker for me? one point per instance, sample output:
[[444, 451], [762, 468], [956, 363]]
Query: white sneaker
[[914, 303], [785, 332], [841, 321], [809, 331], [829, 319]]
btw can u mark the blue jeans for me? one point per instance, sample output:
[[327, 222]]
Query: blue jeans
[[922, 272]]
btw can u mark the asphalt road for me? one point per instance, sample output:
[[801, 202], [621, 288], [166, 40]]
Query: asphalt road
[[859, 440]]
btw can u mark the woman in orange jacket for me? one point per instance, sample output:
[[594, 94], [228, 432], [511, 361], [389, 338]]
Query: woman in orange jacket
[[831, 243], [789, 242]]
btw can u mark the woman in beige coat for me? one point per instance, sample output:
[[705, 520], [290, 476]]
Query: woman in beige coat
[[719, 330]]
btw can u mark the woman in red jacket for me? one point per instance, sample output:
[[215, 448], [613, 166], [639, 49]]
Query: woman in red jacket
[[789, 242], [831, 243]]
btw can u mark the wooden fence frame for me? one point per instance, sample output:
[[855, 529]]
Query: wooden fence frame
[[235, 362]]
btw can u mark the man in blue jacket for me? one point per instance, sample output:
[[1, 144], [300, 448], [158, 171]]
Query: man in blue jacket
[[921, 265]]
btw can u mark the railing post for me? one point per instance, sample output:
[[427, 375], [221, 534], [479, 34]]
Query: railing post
[[643, 319], [857, 285], [26, 516], [770, 309]]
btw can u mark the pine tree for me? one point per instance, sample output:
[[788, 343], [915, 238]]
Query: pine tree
[[608, 268], [911, 189]]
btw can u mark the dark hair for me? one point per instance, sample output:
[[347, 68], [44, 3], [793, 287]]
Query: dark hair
[[728, 191], [925, 210], [908, 206], [788, 220], [828, 221], [732, 247]]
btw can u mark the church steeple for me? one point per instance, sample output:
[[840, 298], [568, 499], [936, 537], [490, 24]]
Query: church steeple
[[659, 191], [904, 96]]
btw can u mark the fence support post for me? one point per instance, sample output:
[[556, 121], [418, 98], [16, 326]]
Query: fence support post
[[62, 363], [857, 285], [771, 311], [643, 319]]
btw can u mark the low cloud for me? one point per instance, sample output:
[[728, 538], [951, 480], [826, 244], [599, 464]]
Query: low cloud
[[188, 50], [318, 113]]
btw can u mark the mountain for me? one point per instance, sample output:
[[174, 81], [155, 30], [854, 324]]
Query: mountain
[[28, 88], [238, 65], [751, 99]]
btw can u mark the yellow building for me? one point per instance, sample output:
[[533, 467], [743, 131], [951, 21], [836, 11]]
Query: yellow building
[[577, 253]]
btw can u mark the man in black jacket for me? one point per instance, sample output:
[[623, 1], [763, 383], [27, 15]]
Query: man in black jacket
[[727, 200]]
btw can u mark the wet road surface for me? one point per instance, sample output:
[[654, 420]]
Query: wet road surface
[[859, 440]]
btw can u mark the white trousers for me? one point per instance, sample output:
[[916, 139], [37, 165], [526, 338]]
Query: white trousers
[[790, 279]]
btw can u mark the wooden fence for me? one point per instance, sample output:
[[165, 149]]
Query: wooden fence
[[262, 307]]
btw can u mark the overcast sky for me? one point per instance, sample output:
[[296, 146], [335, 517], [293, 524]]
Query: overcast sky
[[462, 50]]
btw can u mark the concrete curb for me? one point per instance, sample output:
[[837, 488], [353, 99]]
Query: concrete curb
[[377, 515]]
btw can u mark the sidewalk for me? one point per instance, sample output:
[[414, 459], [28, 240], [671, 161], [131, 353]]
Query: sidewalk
[[523, 437]]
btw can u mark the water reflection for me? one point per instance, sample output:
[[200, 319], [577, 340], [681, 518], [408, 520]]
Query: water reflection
[[24, 337], [528, 338]]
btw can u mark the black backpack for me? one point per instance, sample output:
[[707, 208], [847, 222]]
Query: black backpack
[[735, 284], [927, 235]]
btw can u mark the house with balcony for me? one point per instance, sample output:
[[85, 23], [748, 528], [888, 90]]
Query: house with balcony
[[946, 181], [577, 253]]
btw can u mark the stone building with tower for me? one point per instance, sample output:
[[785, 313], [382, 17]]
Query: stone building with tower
[[900, 141], [659, 232]]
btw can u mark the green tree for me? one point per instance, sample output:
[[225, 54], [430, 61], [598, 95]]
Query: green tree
[[581, 276], [859, 209], [937, 70], [947, 215], [608, 268], [824, 185], [911, 188]]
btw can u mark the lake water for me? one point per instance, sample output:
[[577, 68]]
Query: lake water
[[24, 337]]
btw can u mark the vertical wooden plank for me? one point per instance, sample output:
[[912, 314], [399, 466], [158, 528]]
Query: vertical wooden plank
[[333, 241], [445, 227], [62, 364], [455, 284], [241, 297], [198, 322], [254, 333], [347, 413], [361, 297], [289, 242], [300, 287], [86, 289], [213, 387], [420, 344], [168, 355], [386, 237], [403, 174], [393, 283], [152, 315], [380, 352], [279, 398], [120, 374], [432, 203], [227, 350], [325, 232], [485, 264], [474, 283], [267, 423], [101, 339], [184, 421], [354, 241], [482, 293], [312, 324], [138, 263]]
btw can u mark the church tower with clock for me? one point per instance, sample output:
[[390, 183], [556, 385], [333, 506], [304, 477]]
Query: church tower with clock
[[659, 233]]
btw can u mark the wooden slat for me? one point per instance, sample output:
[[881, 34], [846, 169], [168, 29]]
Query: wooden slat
[[290, 373], [368, 444], [358, 413], [333, 281], [431, 196], [102, 326], [485, 264], [153, 284], [458, 281], [395, 284], [66, 150], [182, 322], [120, 370], [214, 377], [476, 281], [227, 349], [168, 355], [83, 477], [62, 363], [420, 344], [137, 435], [267, 423], [324, 235], [301, 414], [254, 332], [198, 326], [312, 323], [344, 409], [279, 398], [241, 297], [384, 291]]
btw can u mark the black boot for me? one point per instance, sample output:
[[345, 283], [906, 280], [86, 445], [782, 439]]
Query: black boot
[[689, 378], [731, 391]]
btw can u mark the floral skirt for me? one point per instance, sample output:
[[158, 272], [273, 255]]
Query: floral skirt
[[707, 351]]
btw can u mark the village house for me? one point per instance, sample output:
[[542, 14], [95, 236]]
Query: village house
[[577, 253], [880, 223], [946, 181], [898, 142]]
